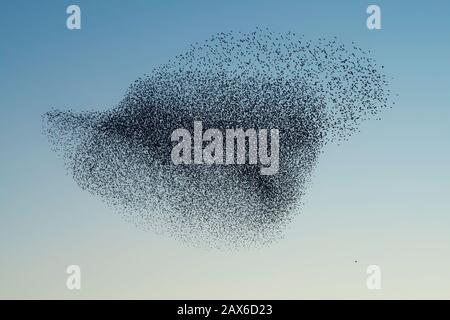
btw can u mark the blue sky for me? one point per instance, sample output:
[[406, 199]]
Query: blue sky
[[381, 198]]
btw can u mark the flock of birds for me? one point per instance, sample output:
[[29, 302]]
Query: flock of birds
[[313, 92]]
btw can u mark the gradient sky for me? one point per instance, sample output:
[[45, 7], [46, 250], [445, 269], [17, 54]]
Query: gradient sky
[[381, 198]]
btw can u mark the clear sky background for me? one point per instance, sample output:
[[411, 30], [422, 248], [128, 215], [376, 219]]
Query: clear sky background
[[382, 198]]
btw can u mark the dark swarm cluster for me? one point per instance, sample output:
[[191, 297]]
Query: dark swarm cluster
[[313, 92]]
